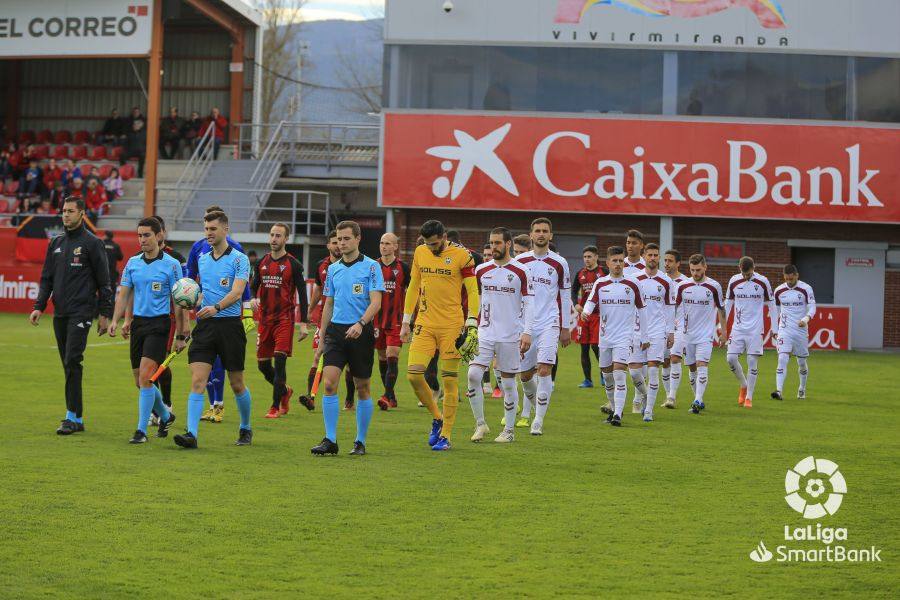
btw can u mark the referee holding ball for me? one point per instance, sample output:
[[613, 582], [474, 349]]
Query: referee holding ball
[[352, 293]]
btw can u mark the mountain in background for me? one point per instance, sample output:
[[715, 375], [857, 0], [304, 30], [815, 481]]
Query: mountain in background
[[342, 54]]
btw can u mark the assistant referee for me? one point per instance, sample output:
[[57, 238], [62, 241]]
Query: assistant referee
[[76, 275], [352, 293]]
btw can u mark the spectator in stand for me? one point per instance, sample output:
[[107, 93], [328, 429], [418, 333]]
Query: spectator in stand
[[76, 189], [113, 185], [94, 199], [94, 174], [52, 174], [45, 208], [170, 134], [70, 173], [190, 131], [57, 195], [221, 124], [30, 182], [136, 146], [6, 168], [136, 115], [115, 129]]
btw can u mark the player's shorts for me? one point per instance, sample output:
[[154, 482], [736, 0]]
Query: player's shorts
[[677, 348], [587, 331], [275, 336], [148, 339], [738, 343], [507, 354], [544, 346], [219, 336], [793, 342], [692, 353], [614, 354], [426, 341], [356, 354], [387, 337], [655, 353]]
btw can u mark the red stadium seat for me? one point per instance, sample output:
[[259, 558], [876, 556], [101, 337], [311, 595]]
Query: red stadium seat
[[41, 152], [85, 169], [126, 171], [4, 205], [98, 153], [11, 188], [105, 169], [82, 137], [63, 136], [60, 152], [26, 137], [44, 136], [115, 152], [79, 152], [15, 159]]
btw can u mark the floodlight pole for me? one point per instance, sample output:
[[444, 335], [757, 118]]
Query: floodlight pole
[[154, 93]]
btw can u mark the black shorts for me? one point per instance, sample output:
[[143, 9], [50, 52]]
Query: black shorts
[[358, 353], [223, 337], [149, 337]]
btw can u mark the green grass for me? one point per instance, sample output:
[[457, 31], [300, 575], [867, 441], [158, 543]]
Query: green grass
[[667, 509]]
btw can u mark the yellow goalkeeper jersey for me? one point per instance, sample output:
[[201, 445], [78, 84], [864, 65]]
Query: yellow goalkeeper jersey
[[436, 284]]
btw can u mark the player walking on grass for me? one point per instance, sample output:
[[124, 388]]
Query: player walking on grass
[[549, 273], [147, 280], [276, 284], [659, 298], [352, 293], [76, 275], [587, 330], [673, 272], [224, 273], [504, 331], [796, 306], [748, 292], [619, 302], [438, 274], [387, 333], [697, 305]]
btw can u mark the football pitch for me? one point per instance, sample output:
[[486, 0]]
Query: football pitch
[[672, 508]]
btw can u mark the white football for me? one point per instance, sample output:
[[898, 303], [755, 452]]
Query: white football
[[186, 293]]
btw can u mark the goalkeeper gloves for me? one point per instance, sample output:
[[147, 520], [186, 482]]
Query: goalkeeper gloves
[[467, 343], [247, 319]]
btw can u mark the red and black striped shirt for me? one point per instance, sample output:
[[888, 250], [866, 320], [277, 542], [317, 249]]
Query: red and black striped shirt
[[396, 280], [277, 283]]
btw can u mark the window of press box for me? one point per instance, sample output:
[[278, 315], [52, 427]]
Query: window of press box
[[878, 89], [551, 79], [765, 85]]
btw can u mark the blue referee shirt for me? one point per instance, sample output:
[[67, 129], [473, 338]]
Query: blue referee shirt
[[152, 282], [218, 275], [200, 248], [349, 284]]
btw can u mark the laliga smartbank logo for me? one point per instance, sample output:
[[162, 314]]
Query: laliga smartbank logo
[[815, 489]]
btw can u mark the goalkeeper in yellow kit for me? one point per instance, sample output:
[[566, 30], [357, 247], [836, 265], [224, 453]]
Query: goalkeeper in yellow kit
[[439, 271]]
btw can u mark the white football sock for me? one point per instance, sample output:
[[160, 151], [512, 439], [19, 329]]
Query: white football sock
[[610, 384], [752, 372], [675, 381], [803, 371], [621, 393], [545, 389], [476, 393], [652, 389], [645, 371], [702, 380], [783, 360], [640, 391], [530, 388], [734, 363], [667, 371], [510, 400], [692, 375]]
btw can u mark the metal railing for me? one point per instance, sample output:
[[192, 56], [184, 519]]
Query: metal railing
[[194, 172], [326, 144]]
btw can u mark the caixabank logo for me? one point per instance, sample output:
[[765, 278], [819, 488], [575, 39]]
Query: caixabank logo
[[815, 489]]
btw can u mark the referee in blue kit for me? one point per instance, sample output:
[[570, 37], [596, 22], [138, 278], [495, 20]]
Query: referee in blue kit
[[352, 293], [147, 279]]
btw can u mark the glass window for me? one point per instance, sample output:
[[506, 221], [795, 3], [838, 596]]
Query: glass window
[[878, 89], [747, 84]]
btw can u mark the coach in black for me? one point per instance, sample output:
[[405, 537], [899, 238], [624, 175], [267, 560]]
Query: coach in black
[[76, 274]]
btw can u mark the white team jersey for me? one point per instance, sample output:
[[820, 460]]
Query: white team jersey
[[748, 297], [505, 301], [550, 279], [620, 303], [633, 269], [696, 305], [659, 297], [792, 304]]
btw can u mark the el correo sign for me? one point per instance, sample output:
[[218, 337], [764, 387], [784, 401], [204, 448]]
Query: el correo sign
[[641, 166], [75, 28]]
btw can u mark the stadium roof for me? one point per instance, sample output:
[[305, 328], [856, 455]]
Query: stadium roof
[[246, 10]]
